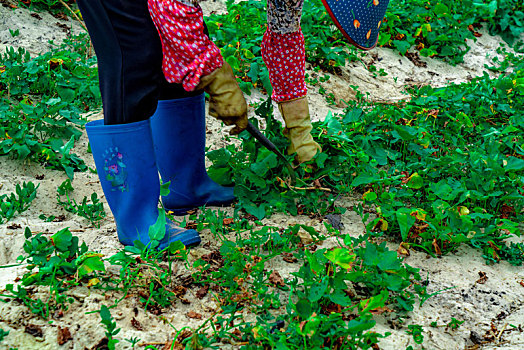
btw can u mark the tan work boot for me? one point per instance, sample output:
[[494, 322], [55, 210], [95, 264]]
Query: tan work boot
[[298, 129]]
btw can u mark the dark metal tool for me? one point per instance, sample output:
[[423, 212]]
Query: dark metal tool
[[270, 146]]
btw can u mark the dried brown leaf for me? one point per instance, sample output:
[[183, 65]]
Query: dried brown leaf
[[380, 310], [276, 279], [63, 336], [288, 257], [483, 277], [304, 236], [193, 314], [34, 330], [436, 247], [202, 292], [403, 249], [136, 324], [179, 291]]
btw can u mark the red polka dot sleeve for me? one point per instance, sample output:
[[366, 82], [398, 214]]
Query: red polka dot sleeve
[[188, 53], [285, 58]]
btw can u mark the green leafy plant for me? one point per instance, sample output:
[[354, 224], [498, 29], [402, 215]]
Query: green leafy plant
[[59, 263], [416, 331], [94, 211], [442, 29], [442, 169], [506, 17], [3, 334], [454, 323], [133, 341], [14, 33], [138, 261], [41, 101], [17, 202], [110, 325]]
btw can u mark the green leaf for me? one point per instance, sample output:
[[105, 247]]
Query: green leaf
[[340, 298], [415, 181], [405, 222], [263, 166], [259, 212], [364, 179], [341, 257], [318, 290], [219, 157], [164, 188], [371, 254], [3, 334], [358, 325], [379, 154], [89, 265], [389, 261], [105, 315], [443, 190], [440, 9], [253, 72], [222, 176], [303, 307], [334, 128], [248, 54], [314, 264], [374, 302], [369, 196], [353, 116], [514, 164], [233, 62], [383, 38], [22, 150], [267, 83], [407, 133], [62, 240], [27, 233], [402, 46], [157, 231], [176, 246], [66, 94], [311, 326], [320, 159]]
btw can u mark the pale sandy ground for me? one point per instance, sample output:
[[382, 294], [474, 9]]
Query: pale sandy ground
[[498, 301]]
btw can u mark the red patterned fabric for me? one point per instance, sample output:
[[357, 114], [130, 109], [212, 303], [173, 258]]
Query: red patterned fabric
[[285, 58], [188, 53]]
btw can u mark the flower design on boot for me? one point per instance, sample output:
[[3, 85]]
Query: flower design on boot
[[115, 169]]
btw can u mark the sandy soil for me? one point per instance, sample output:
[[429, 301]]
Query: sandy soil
[[493, 305]]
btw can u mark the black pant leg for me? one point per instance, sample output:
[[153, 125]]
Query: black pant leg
[[129, 55]]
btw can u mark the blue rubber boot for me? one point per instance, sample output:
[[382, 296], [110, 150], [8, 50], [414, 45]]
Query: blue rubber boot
[[126, 166], [179, 135]]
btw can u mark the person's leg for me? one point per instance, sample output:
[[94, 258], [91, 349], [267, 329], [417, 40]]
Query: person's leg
[[129, 60], [179, 133], [193, 60], [129, 56], [178, 125], [283, 52]]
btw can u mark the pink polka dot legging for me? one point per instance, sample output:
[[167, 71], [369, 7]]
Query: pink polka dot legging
[[189, 54]]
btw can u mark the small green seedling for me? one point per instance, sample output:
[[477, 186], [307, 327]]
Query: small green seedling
[[94, 211], [417, 332], [454, 323], [110, 324]]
